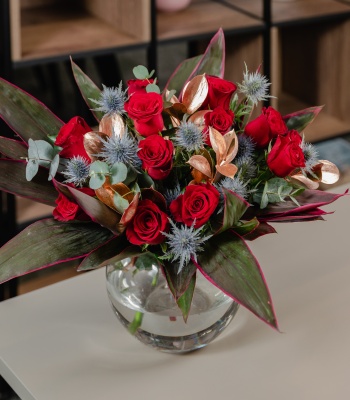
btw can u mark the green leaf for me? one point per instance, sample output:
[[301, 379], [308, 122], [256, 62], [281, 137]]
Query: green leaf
[[13, 180], [246, 227], [301, 119], [140, 72], [48, 242], [228, 263], [185, 301], [88, 89], [98, 257], [25, 115], [14, 149], [146, 261], [120, 203], [118, 173], [99, 167]]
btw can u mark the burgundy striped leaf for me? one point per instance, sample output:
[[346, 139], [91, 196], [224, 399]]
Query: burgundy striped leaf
[[14, 149], [48, 242], [262, 229], [299, 120], [228, 263], [13, 180], [25, 115]]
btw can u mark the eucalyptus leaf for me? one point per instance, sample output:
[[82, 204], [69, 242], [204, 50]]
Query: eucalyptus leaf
[[54, 166], [141, 72], [32, 169], [28, 251], [96, 181], [120, 203], [118, 173], [13, 180], [99, 167], [228, 263], [25, 115], [88, 89], [150, 88]]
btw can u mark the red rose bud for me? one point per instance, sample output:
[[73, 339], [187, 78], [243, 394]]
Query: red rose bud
[[196, 204], [220, 119], [138, 85], [71, 138], [156, 155], [220, 92], [145, 109], [266, 127], [147, 225], [286, 154]]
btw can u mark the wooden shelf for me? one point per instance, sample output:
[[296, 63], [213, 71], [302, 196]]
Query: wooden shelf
[[284, 11], [201, 18], [56, 29], [253, 7]]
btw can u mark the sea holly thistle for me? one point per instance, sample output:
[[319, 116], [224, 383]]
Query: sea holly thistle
[[77, 170], [254, 86], [111, 100], [41, 153]]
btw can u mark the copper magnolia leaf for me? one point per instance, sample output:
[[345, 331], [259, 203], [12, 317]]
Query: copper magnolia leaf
[[176, 111], [14, 149], [25, 115], [88, 89], [13, 180], [106, 193], [228, 263], [231, 141], [93, 144], [201, 164], [228, 170], [130, 211], [330, 172], [98, 257], [155, 196], [218, 144], [195, 93], [299, 120], [308, 183], [198, 118], [112, 124], [28, 251]]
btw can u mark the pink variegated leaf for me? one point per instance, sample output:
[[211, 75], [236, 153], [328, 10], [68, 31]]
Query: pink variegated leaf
[[299, 120], [228, 263], [28, 251]]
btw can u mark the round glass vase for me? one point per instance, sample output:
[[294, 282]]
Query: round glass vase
[[144, 304]]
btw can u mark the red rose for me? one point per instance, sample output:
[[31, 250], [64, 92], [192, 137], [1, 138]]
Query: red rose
[[286, 154], [71, 138], [67, 210], [197, 204], [148, 224], [220, 119], [145, 109], [219, 93], [138, 85], [156, 155], [266, 127]]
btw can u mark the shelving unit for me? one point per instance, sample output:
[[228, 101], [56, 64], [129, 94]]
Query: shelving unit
[[310, 45]]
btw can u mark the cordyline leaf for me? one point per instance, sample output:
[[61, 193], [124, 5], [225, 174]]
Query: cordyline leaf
[[48, 242], [234, 207], [213, 60], [25, 115], [178, 282], [185, 301], [246, 227], [309, 200], [178, 78], [299, 120], [94, 208], [262, 229], [128, 252], [98, 257], [14, 149], [13, 180], [87, 89], [228, 263]]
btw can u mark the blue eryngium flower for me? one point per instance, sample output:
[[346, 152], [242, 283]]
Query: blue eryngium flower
[[189, 136], [77, 170], [254, 86], [120, 149], [184, 243], [235, 185], [112, 100], [310, 155]]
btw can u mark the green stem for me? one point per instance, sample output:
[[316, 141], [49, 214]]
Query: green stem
[[136, 322]]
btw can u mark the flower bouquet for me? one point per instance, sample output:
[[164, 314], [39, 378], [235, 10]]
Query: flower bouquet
[[180, 178]]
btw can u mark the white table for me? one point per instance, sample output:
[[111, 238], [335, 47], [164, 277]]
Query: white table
[[63, 341]]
